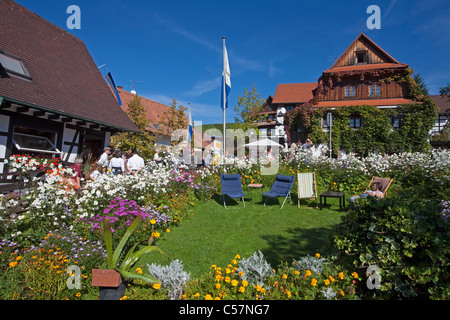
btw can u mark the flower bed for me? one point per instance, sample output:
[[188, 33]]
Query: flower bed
[[165, 197]]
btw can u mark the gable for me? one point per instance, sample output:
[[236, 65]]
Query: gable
[[364, 52], [63, 77]]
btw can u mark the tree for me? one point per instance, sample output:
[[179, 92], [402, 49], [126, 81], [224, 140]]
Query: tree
[[174, 118], [143, 142], [248, 109], [445, 91], [422, 85]]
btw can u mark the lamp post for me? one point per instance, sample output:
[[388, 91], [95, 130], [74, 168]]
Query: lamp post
[[330, 121]]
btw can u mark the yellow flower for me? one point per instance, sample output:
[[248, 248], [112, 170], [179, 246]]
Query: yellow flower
[[313, 282], [197, 295], [234, 282], [227, 270], [241, 273], [355, 275], [167, 230], [237, 256], [342, 292], [341, 275], [18, 258], [307, 273], [258, 288], [12, 264], [157, 286], [241, 289], [217, 285], [234, 261], [139, 270], [208, 297], [331, 278], [216, 298], [153, 221], [78, 294], [244, 283], [213, 267], [155, 234], [284, 276], [327, 282], [227, 279], [296, 272], [317, 255]]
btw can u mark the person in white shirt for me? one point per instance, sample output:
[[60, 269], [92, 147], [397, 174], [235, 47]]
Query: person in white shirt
[[135, 163], [117, 165], [103, 161]]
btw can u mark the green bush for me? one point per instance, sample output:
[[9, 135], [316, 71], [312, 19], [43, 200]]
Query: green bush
[[407, 239]]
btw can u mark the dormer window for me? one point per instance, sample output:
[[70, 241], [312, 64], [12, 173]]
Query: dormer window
[[361, 57], [13, 65]]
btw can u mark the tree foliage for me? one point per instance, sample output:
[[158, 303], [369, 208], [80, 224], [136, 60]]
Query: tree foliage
[[248, 110], [144, 141], [174, 118]]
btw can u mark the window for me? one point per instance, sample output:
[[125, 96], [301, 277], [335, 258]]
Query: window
[[34, 141], [355, 121], [14, 65], [375, 90], [361, 57], [396, 121], [350, 91]]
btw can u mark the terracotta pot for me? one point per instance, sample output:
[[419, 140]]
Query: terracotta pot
[[109, 282]]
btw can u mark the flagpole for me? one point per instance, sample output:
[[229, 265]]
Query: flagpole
[[224, 97]]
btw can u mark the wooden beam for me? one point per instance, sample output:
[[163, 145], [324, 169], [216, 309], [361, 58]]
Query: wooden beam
[[81, 123], [39, 113], [53, 116], [23, 109], [64, 120]]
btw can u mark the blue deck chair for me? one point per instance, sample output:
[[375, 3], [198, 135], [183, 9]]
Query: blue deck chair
[[281, 188], [232, 187]]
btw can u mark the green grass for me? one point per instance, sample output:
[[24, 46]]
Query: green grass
[[214, 235]]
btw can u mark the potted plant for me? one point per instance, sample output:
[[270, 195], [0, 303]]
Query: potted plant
[[111, 281]]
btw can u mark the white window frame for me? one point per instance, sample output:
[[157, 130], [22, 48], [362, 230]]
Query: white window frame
[[17, 145], [4, 57], [350, 91]]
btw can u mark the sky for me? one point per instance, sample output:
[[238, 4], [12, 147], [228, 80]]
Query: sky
[[172, 49]]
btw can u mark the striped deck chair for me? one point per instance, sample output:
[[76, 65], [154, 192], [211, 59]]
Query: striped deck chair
[[307, 188], [385, 184]]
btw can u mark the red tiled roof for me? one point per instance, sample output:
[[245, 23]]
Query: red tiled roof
[[294, 92], [367, 67], [372, 102], [65, 78], [443, 103], [154, 110]]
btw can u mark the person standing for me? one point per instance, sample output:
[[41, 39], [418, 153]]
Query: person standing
[[117, 164], [135, 164], [104, 161]]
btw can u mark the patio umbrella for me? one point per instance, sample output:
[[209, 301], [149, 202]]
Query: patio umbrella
[[263, 143]]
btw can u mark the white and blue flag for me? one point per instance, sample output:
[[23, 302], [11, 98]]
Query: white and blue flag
[[190, 125], [226, 78]]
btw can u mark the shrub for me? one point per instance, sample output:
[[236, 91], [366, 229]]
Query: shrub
[[407, 239], [255, 269], [172, 277]]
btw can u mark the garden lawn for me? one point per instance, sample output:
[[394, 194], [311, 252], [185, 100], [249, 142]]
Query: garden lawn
[[214, 235]]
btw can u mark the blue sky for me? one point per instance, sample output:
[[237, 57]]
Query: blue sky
[[172, 49]]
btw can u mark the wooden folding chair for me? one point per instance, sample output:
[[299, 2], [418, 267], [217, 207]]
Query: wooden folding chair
[[307, 187], [385, 184]]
